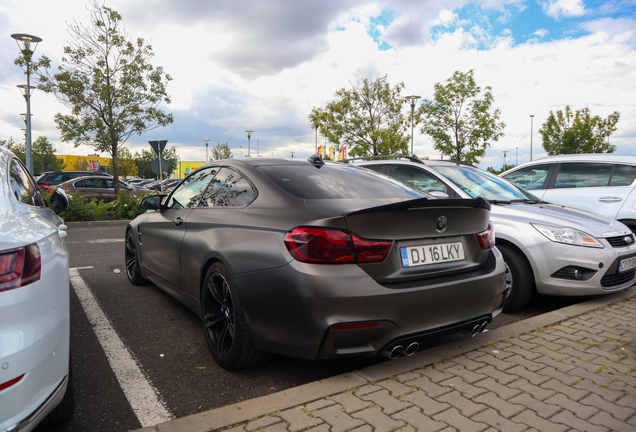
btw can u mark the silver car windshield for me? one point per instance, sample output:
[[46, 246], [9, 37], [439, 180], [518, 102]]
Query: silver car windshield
[[478, 183]]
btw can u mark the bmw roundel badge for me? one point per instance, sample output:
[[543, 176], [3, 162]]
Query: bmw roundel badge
[[440, 225]]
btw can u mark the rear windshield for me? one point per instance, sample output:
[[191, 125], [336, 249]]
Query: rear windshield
[[336, 182]]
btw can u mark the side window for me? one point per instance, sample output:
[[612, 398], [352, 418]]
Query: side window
[[418, 179], [80, 184], [107, 183], [189, 193], [623, 175], [89, 184], [376, 168], [122, 186], [23, 186], [577, 175], [529, 178], [228, 189]]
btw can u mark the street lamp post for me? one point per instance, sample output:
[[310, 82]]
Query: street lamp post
[[413, 99], [531, 124], [206, 150], [27, 44], [249, 135]]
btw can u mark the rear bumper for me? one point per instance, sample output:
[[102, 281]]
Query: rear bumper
[[291, 309]]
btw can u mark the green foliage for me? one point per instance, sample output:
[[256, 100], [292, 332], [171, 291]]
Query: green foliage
[[221, 151], [503, 169], [108, 84], [125, 207], [128, 166], [368, 118], [44, 158], [143, 162], [460, 123], [570, 132]]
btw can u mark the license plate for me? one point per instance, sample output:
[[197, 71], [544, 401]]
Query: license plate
[[413, 256], [627, 264]]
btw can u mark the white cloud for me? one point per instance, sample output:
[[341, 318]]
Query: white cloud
[[563, 8]]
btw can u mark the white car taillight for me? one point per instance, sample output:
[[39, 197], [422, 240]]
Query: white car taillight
[[19, 267]]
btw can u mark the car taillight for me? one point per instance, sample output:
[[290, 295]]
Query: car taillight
[[487, 238], [20, 267], [10, 383], [333, 246]]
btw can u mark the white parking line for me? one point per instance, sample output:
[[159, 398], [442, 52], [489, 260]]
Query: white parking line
[[142, 396], [97, 241]]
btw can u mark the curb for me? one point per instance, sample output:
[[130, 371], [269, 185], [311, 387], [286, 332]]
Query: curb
[[223, 417], [95, 224]]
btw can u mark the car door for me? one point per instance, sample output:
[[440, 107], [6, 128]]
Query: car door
[[163, 230], [586, 185]]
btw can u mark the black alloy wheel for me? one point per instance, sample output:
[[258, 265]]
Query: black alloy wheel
[[132, 261], [226, 329]]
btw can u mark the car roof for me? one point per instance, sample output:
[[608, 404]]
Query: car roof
[[588, 157]]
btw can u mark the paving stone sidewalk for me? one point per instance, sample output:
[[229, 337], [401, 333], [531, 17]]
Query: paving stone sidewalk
[[575, 375]]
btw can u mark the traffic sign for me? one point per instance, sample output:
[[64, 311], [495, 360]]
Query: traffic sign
[[155, 166], [158, 146]]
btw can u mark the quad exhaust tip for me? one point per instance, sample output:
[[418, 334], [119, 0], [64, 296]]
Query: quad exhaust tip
[[479, 328], [411, 349], [399, 350]]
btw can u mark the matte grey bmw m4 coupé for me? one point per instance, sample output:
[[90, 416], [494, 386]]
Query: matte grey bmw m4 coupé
[[316, 260]]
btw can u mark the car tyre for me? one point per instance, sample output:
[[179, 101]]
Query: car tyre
[[226, 329], [519, 276], [132, 260], [65, 409]]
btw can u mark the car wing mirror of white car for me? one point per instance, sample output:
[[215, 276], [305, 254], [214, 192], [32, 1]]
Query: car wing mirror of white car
[[439, 194]]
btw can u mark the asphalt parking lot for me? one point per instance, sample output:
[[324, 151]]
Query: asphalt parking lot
[[150, 359]]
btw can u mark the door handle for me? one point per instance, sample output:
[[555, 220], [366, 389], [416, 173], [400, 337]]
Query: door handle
[[178, 221], [610, 199]]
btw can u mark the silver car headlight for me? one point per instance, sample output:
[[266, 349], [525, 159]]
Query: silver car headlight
[[567, 235]]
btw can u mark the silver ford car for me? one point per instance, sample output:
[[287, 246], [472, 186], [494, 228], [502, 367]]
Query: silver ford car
[[316, 260], [549, 248]]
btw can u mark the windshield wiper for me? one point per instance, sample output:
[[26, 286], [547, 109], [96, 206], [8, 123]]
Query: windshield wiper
[[499, 201], [527, 201]]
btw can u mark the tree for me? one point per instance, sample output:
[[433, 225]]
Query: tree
[[570, 132], [502, 169], [108, 84], [221, 151], [460, 121], [44, 158], [368, 118], [127, 164], [144, 160]]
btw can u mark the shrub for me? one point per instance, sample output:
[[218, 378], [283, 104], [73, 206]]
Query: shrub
[[125, 207]]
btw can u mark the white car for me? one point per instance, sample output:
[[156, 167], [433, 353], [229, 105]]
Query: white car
[[549, 249], [599, 183], [35, 381]]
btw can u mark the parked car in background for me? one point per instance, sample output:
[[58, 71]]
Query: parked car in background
[[53, 178], [316, 260], [97, 187], [551, 249], [35, 377], [599, 183], [163, 185]]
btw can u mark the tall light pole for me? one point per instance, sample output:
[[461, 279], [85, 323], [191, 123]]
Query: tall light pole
[[206, 150], [413, 99], [27, 44], [531, 124], [249, 135], [504, 164]]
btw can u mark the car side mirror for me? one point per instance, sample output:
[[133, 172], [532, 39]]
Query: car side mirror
[[439, 194], [152, 202], [59, 200]]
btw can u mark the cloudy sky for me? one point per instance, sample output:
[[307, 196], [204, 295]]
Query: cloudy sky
[[264, 64]]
